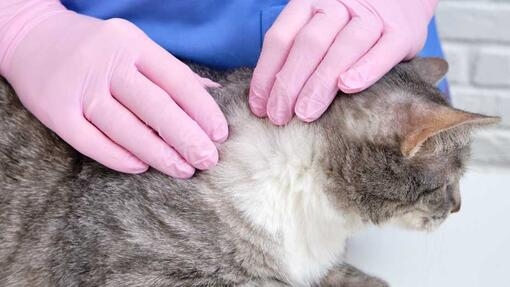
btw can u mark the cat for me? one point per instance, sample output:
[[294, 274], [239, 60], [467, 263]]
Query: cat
[[275, 211]]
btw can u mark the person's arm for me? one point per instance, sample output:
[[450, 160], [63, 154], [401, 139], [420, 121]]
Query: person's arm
[[316, 47], [108, 90]]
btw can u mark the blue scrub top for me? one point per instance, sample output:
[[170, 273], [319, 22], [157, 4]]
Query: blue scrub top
[[218, 34]]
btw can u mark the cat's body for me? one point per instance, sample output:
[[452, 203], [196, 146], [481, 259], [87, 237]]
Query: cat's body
[[136, 230], [275, 211]]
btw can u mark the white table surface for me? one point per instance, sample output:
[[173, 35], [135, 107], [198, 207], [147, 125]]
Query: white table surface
[[471, 249]]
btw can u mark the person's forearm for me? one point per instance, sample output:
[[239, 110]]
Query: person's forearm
[[17, 17]]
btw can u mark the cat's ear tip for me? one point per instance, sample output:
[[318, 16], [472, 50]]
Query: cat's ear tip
[[440, 62], [431, 69], [497, 119], [490, 120], [480, 119], [435, 60]]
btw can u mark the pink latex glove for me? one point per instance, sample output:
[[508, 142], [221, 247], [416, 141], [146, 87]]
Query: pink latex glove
[[316, 47], [108, 90]]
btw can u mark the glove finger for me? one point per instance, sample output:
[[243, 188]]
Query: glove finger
[[389, 50], [277, 43], [182, 85], [310, 46], [124, 128], [88, 140], [352, 42], [158, 110]]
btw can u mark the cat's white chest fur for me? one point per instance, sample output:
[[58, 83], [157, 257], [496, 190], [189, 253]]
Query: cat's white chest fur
[[283, 195], [296, 212]]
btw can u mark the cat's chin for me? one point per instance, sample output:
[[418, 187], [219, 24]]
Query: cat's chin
[[431, 223], [419, 222]]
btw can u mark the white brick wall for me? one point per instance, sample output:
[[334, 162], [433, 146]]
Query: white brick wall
[[476, 39]]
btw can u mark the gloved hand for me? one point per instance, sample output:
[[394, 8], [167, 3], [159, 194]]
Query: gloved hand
[[318, 46], [108, 90]]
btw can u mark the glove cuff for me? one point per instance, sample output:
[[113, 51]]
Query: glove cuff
[[17, 19]]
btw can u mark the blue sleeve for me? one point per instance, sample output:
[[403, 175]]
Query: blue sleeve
[[219, 34]]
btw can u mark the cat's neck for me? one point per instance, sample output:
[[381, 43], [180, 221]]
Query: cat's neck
[[275, 177]]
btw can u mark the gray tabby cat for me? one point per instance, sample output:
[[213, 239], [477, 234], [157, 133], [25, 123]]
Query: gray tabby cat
[[276, 211]]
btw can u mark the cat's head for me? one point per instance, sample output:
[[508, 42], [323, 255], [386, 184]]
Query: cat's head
[[396, 151]]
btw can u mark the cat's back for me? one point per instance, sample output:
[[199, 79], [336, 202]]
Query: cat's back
[[27, 149], [33, 161], [34, 165], [65, 218]]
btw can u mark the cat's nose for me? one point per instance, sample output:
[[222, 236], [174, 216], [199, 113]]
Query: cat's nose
[[454, 195], [455, 206]]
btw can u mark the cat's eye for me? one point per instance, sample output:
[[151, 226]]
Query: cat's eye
[[431, 190]]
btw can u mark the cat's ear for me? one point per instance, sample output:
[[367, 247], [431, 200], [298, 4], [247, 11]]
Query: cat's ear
[[431, 70], [434, 120]]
